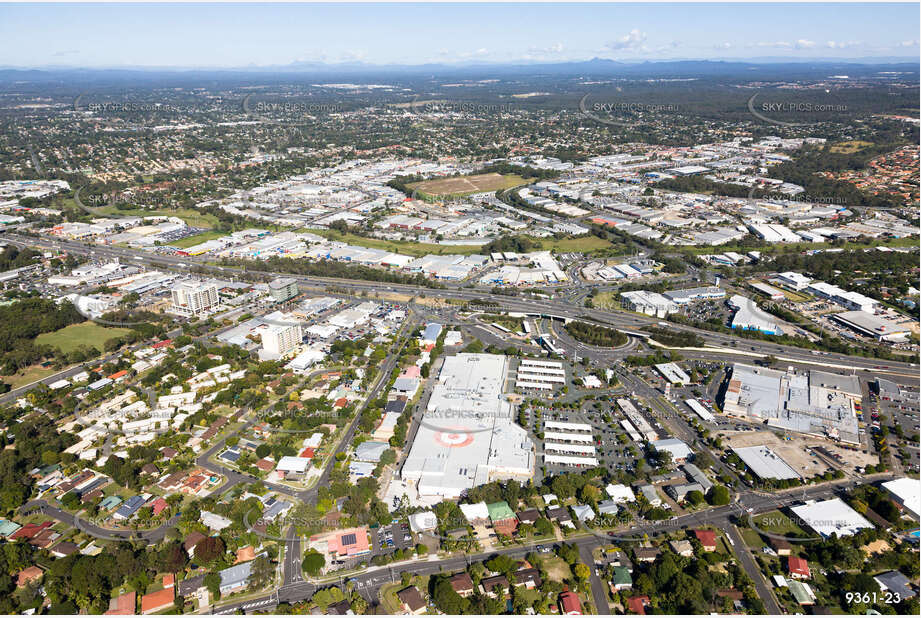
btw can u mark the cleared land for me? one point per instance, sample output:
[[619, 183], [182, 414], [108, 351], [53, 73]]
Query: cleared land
[[465, 185], [850, 147], [792, 451], [795, 450], [87, 333]]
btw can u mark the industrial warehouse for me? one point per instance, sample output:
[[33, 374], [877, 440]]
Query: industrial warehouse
[[815, 402]]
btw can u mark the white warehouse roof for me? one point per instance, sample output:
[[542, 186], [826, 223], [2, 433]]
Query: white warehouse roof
[[831, 517]]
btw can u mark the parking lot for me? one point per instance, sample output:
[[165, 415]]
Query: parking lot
[[387, 539], [613, 448], [900, 413]]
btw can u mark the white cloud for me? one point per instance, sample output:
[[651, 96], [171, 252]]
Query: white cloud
[[632, 40], [474, 54], [553, 49], [843, 44], [799, 44], [723, 45], [352, 55], [913, 43]]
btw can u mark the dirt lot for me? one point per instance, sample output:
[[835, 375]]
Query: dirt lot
[[467, 184], [794, 450]]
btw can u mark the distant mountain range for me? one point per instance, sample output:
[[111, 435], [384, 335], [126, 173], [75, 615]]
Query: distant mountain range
[[766, 68]]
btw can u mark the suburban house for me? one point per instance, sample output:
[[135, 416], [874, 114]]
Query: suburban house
[[570, 604], [798, 568], [707, 539], [411, 601]]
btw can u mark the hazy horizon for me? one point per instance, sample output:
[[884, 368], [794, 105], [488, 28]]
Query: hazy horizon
[[249, 36]]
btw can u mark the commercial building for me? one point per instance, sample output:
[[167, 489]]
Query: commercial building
[[871, 325], [683, 297], [854, 301], [772, 232], [673, 374], [650, 303], [636, 421], [700, 410], [768, 290], [765, 463], [817, 402], [467, 436], [906, 493], [538, 374], [194, 298], [749, 316], [831, 517], [792, 280], [283, 288], [342, 543], [679, 451]]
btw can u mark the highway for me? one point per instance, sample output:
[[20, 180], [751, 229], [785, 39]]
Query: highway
[[532, 306]]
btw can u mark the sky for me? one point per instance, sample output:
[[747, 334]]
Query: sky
[[245, 35]]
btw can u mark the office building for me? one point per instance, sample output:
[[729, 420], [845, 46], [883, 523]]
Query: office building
[[281, 338], [194, 298], [283, 288]]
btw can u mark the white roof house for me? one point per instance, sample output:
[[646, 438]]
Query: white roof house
[[474, 512], [214, 521], [620, 493], [583, 512], [289, 463], [424, 521]]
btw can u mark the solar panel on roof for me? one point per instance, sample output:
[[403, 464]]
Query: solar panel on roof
[[349, 539]]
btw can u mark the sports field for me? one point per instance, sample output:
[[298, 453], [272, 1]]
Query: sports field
[[86, 333], [465, 185]]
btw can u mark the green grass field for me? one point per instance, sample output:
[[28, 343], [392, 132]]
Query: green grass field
[[804, 246], [398, 246], [578, 244], [28, 375], [86, 333], [776, 522], [189, 215], [191, 241], [417, 249]]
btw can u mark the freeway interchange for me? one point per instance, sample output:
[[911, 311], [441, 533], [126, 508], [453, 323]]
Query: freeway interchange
[[718, 346]]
